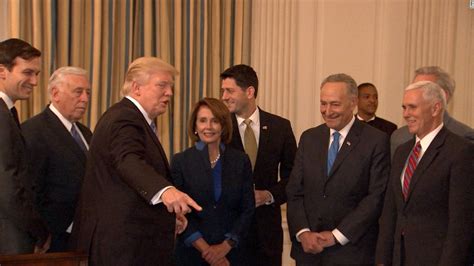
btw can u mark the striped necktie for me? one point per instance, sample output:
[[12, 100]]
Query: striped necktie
[[410, 169]]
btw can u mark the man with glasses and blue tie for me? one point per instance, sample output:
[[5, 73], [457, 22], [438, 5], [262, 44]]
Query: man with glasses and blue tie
[[336, 187], [57, 144]]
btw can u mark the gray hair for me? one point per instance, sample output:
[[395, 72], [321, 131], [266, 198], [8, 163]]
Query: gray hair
[[59, 75], [443, 79], [351, 85], [432, 92]]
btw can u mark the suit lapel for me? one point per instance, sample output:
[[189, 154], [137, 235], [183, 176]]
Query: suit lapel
[[350, 142], [150, 132], [236, 139], [428, 157], [59, 131], [263, 140], [398, 164]]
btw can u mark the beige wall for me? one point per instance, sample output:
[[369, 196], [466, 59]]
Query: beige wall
[[3, 19], [379, 41]]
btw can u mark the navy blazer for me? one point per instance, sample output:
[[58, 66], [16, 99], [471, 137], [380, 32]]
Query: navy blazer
[[57, 166], [349, 199], [230, 216]]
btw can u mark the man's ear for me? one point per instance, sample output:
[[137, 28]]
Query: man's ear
[[135, 89], [3, 71], [251, 92], [436, 109]]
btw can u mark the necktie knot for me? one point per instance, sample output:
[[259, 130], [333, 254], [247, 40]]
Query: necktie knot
[[153, 126], [247, 122]]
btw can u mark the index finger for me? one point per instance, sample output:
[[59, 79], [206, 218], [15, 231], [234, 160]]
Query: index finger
[[193, 204]]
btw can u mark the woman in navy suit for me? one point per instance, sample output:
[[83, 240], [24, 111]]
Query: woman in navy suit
[[219, 179]]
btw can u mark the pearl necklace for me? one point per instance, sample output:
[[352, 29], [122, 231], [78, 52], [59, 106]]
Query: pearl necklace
[[217, 158]]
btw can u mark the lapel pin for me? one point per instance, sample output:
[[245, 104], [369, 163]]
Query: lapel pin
[[264, 127], [348, 143]]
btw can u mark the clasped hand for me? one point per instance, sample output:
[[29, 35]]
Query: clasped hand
[[215, 254], [316, 242]]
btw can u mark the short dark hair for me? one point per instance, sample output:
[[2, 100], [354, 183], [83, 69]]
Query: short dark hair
[[244, 76], [12, 48], [364, 85], [219, 110]]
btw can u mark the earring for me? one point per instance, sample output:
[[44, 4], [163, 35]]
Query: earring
[[195, 132]]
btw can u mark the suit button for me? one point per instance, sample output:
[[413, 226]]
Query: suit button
[[325, 196], [214, 206]]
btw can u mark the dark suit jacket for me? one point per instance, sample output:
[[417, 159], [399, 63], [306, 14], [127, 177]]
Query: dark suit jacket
[[350, 199], [382, 124], [402, 134], [437, 220], [276, 152], [231, 214], [115, 222], [18, 218], [57, 166]]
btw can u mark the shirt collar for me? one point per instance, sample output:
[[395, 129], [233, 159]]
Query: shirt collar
[[255, 117], [68, 124], [200, 145], [426, 140], [362, 119], [139, 106], [7, 100], [345, 130]]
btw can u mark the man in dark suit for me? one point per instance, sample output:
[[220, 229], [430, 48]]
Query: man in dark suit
[[444, 80], [274, 152], [21, 229], [367, 106], [335, 196], [57, 144], [427, 217], [121, 219]]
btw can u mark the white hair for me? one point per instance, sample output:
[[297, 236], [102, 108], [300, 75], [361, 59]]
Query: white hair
[[59, 75]]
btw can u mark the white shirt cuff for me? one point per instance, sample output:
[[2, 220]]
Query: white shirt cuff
[[272, 200], [157, 198], [300, 232], [342, 239]]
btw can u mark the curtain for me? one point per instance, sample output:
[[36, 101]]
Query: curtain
[[200, 38]]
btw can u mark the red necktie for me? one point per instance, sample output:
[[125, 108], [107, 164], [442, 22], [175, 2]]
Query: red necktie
[[410, 169]]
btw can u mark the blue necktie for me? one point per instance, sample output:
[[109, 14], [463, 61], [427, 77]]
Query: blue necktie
[[77, 138], [153, 126], [333, 149]]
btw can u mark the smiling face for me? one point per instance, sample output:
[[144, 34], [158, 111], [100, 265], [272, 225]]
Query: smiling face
[[155, 94], [20, 81], [237, 99], [337, 106], [419, 113], [207, 126], [71, 96]]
